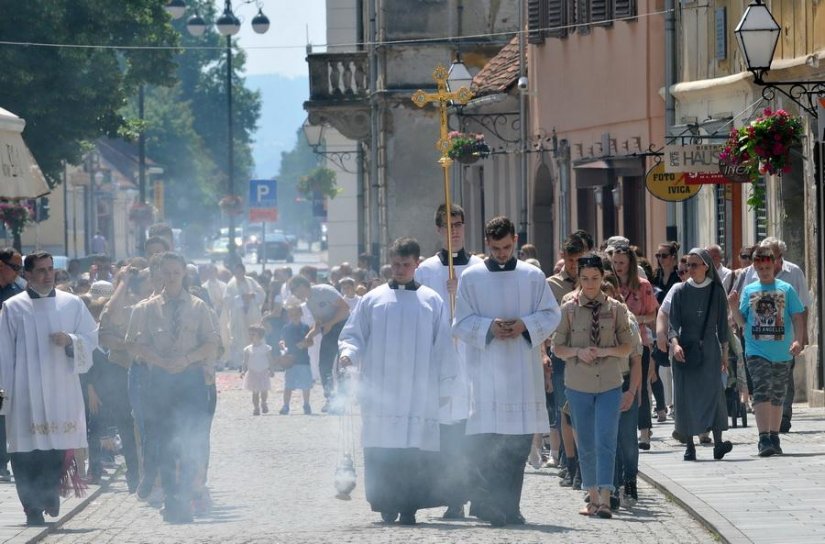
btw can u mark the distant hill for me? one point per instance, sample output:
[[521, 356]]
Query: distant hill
[[282, 114]]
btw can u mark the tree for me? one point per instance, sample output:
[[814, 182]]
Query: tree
[[69, 95], [294, 209]]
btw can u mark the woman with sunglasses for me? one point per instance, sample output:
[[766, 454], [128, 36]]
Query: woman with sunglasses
[[594, 338], [640, 299], [667, 260], [699, 338]]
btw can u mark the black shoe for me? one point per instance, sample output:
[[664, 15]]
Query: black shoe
[[785, 426], [720, 449], [562, 472], [577, 480], [765, 447], [705, 440], [515, 519], [567, 480], [775, 443], [177, 511], [644, 446], [495, 517], [631, 491], [389, 517], [615, 503], [454, 512], [407, 518], [35, 519], [690, 454], [5, 475]]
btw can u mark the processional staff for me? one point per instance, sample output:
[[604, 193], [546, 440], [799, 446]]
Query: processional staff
[[443, 98]]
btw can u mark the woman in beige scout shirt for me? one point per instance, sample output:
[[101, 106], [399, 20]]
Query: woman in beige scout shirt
[[593, 337]]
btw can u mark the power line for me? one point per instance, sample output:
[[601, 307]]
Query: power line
[[465, 37]]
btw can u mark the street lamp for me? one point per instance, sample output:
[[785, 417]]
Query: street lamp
[[458, 76], [758, 34], [175, 8], [228, 25]]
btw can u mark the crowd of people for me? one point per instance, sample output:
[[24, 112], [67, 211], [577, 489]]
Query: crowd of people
[[469, 366]]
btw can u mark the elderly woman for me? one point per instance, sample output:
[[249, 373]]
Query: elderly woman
[[698, 336], [594, 338]]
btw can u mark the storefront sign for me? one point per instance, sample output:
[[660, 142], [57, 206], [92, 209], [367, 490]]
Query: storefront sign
[[670, 187], [702, 158], [705, 179]]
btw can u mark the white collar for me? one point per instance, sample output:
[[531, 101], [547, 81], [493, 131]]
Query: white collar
[[705, 283]]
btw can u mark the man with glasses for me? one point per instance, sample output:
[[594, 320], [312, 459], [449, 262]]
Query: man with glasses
[[792, 274], [771, 315], [434, 273], [10, 264]]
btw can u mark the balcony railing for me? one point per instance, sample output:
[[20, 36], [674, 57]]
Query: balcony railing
[[338, 76]]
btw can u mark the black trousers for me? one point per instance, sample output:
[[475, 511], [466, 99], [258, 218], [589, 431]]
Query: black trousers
[[4, 452], [454, 471], [37, 477], [498, 470], [327, 356], [400, 480], [645, 420], [178, 411]]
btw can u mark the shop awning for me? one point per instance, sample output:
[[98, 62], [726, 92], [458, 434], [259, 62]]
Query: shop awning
[[603, 171], [20, 177]]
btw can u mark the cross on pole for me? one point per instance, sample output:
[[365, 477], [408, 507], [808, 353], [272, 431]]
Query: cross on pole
[[443, 98]]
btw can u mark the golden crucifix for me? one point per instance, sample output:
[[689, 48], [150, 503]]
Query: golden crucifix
[[443, 98]]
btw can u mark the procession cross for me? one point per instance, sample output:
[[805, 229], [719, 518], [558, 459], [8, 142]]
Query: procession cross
[[443, 98]]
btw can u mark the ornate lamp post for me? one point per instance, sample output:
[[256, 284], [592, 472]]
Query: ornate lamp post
[[758, 34]]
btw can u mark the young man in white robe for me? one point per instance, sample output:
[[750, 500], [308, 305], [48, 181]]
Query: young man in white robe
[[434, 273], [504, 312], [242, 302], [48, 337], [396, 338]]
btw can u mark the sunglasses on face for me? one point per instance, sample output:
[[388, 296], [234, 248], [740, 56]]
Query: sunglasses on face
[[662, 255], [763, 259], [695, 265], [15, 267], [745, 257]]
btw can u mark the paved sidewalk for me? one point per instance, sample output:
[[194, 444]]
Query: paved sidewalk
[[747, 498]]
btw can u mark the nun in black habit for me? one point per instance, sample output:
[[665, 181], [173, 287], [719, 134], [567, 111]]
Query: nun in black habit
[[698, 335]]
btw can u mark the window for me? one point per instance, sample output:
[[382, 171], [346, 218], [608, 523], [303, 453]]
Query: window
[[557, 18], [625, 8], [601, 12], [536, 20], [547, 18]]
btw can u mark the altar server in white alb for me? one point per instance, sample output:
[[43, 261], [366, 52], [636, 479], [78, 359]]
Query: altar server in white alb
[[396, 337], [434, 273], [48, 337], [504, 312]]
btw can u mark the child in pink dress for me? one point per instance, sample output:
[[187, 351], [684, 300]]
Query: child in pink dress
[[257, 358]]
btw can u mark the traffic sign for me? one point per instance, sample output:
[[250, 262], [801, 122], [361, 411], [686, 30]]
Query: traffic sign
[[670, 187], [263, 201]]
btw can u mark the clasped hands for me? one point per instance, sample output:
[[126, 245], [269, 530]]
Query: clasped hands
[[505, 329], [588, 355]]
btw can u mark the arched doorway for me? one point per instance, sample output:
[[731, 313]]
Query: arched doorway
[[544, 237]]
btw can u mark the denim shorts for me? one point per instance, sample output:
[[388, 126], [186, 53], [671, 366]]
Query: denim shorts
[[770, 380]]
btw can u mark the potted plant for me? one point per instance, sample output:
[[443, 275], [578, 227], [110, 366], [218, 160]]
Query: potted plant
[[759, 148], [320, 181], [15, 216], [141, 214], [231, 205], [466, 147]]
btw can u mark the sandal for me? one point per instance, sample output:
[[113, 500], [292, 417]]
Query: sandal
[[604, 512], [589, 509]]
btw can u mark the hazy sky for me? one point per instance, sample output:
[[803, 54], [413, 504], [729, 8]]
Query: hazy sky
[[290, 22]]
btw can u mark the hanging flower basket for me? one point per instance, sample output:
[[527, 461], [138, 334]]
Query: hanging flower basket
[[762, 147], [15, 216], [466, 147], [141, 214], [231, 205]]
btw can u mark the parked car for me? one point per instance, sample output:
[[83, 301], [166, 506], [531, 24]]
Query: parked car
[[219, 249], [276, 247]]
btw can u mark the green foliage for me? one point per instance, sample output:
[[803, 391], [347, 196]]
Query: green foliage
[[320, 181], [68, 95], [294, 209]]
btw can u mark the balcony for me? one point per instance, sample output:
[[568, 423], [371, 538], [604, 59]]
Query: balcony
[[339, 92]]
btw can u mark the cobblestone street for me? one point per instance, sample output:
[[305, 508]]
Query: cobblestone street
[[271, 479]]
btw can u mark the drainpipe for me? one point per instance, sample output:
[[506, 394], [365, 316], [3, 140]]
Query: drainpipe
[[563, 161], [374, 136], [670, 101], [522, 110]]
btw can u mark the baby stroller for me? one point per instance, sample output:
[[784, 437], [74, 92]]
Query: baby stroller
[[736, 384]]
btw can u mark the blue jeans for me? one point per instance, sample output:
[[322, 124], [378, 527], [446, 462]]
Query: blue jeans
[[627, 452], [596, 419]]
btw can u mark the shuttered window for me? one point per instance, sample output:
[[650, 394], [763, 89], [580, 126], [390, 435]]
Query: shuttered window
[[625, 8], [557, 18], [601, 12], [582, 15], [536, 20]]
